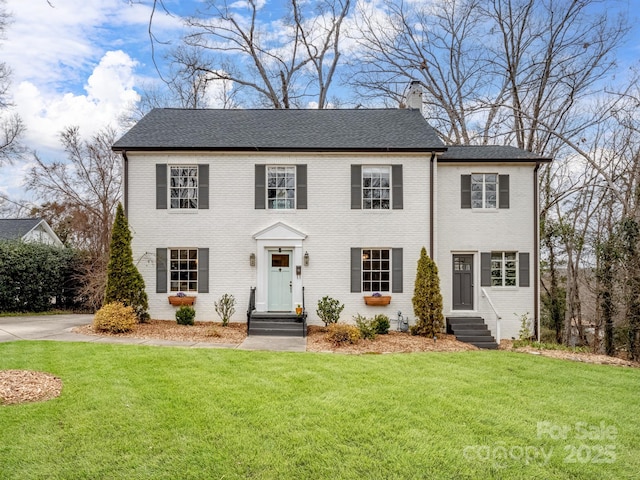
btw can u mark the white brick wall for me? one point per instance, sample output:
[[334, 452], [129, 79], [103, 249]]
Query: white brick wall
[[228, 226], [474, 231]]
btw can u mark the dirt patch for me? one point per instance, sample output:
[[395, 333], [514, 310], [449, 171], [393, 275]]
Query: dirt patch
[[393, 342], [22, 386], [209, 332]]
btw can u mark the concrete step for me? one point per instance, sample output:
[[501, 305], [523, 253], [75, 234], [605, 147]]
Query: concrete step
[[486, 345], [276, 332]]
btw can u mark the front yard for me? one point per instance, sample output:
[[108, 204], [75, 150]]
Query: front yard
[[149, 412]]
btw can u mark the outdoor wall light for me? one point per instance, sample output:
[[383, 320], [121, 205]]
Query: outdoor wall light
[[306, 259], [252, 259]]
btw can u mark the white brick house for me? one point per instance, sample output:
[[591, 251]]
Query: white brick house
[[300, 204]]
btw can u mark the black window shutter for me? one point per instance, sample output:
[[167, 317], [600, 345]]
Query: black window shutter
[[161, 270], [301, 187], [465, 191], [203, 186], [203, 270], [356, 187], [396, 178], [260, 184], [503, 185], [356, 272], [523, 269], [161, 186], [485, 269], [396, 266]]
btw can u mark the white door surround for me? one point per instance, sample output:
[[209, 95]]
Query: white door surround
[[283, 237]]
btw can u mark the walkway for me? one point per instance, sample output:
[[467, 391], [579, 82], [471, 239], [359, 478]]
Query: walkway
[[58, 328]]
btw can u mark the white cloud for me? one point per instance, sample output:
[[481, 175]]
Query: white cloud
[[109, 92]]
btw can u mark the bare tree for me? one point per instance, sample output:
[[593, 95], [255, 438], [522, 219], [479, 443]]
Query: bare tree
[[494, 71], [85, 190], [286, 62], [11, 126]]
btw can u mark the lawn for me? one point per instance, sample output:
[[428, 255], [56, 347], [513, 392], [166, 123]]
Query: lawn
[[155, 412]]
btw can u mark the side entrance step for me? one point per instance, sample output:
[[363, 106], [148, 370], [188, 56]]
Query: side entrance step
[[471, 330], [276, 324]]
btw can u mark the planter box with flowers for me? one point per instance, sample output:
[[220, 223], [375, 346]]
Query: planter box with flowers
[[377, 299], [181, 298]]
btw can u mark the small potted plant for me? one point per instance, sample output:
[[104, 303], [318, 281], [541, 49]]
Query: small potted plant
[[377, 299], [180, 299], [298, 310]]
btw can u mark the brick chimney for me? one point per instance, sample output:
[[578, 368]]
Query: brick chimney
[[413, 97]]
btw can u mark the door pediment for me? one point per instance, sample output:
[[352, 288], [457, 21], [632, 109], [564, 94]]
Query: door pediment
[[279, 231]]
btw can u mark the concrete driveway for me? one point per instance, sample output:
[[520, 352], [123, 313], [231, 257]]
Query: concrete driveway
[[45, 327]]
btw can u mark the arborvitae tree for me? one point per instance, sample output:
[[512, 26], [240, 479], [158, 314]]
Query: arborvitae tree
[[427, 298], [124, 282]]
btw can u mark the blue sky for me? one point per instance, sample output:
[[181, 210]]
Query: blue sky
[[83, 62], [75, 62]]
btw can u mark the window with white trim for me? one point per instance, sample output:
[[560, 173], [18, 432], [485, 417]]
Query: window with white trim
[[183, 269], [376, 270], [484, 190], [376, 188], [281, 187], [504, 269], [183, 186]]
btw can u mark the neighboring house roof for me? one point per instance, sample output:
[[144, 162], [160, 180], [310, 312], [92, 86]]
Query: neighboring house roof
[[489, 153], [25, 228], [281, 130]]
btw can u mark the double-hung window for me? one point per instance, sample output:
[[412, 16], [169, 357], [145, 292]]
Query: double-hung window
[[183, 186], [281, 187], [484, 190], [376, 188], [376, 270], [504, 269], [183, 269]]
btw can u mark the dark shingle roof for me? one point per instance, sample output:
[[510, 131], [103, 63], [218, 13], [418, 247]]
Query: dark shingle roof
[[272, 130], [16, 228], [488, 153]]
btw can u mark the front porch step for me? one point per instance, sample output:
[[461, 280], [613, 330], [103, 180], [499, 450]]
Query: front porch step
[[471, 330], [276, 324]]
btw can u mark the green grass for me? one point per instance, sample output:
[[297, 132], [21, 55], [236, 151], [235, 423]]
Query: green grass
[[152, 412]]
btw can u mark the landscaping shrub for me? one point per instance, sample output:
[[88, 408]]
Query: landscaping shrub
[[115, 317], [339, 334], [427, 298], [225, 308], [365, 326], [381, 324], [329, 310], [32, 275], [124, 282], [185, 315]]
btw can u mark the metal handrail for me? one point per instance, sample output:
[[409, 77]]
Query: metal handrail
[[252, 307], [304, 316], [498, 316]]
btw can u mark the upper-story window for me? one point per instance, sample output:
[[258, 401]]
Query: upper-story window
[[281, 187], [376, 188], [484, 190], [488, 191], [183, 186]]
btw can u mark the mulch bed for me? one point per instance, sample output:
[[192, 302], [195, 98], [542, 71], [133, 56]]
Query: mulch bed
[[207, 332], [22, 386], [393, 342]]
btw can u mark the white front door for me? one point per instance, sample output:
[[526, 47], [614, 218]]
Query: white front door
[[280, 281]]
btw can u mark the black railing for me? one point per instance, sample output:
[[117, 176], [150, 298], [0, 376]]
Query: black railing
[[252, 307], [304, 316]]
